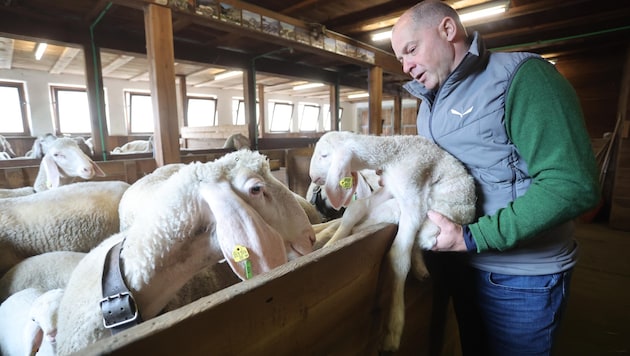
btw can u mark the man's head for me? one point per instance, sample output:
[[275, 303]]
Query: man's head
[[430, 41]]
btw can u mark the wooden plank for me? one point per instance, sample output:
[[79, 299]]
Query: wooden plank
[[298, 161], [375, 102], [320, 304], [160, 54]]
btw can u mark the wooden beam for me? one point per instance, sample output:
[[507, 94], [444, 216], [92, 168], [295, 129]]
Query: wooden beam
[[262, 109], [6, 52], [160, 54], [96, 100], [69, 53], [397, 124], [375, 102]]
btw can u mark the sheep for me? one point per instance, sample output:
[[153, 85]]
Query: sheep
[[4, 156], [193, 219], [73, 217], [237, 141], [133, 199], [62, 163], [16, 192], [368, 181], [418, 175], [28, 322], [6, 149], [135, 146], [40, 146], [46, 271]]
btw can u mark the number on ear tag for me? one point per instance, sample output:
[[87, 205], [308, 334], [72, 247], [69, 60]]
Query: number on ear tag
[[346, 182], [240, 253]]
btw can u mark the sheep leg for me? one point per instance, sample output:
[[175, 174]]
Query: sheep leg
[[399, 258], [427, 238], [357, 211], [324, 232]]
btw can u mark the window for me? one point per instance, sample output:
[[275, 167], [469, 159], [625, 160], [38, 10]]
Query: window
[[139, 112], [71, 110], [13, 104], [327, 119], [281, 114], [202, 111], [309, 119], [238, 112]]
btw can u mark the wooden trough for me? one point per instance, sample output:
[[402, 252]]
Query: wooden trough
[[325, 303]]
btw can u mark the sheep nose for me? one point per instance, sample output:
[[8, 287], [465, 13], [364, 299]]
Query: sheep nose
[[87, 172]]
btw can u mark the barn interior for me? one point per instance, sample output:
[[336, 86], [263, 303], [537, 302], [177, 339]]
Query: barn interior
[[176, 50]]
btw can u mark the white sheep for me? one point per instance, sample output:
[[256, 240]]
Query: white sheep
[[16, 192], [135, 146], [46, 271], [418, 174], [237, 141], [73, 217], [367, 182], [62, 163], [194, 219], [28, 322], [5, 148]]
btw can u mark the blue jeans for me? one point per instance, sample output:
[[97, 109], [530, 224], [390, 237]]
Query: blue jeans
[[503, 315]]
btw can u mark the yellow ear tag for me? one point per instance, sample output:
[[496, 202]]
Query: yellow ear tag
[[346, 182], [240, 253]]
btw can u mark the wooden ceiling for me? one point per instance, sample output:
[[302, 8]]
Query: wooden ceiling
[[205, 48]]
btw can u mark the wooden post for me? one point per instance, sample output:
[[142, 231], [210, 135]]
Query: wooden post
[[261, 111], [397, 124], [375, 89], [160, 54], [96, 100], [334, 106], [249, 90]]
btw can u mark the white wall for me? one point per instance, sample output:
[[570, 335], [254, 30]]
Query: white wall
[[41, 115]]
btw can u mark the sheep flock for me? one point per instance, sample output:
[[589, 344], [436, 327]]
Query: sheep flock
[[169, 233]]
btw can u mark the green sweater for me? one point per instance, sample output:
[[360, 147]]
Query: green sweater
[[539, 104]]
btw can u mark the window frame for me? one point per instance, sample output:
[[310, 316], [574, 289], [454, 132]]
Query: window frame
[[304, 106], [54, 92], [20, 87], [201, 97], [129, 94], [273, 114]]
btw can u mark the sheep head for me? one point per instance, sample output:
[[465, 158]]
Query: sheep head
[[331, 166], [258, 211], [64, 158]]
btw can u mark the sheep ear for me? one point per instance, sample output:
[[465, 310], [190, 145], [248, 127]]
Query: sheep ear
[[33, 335], [98, 170], [340, 181], [238, 224], [52, 171]]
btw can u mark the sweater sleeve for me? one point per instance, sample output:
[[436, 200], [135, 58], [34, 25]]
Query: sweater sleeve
[[545, 122]]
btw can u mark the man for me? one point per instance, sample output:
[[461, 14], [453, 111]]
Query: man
[[516, 124]]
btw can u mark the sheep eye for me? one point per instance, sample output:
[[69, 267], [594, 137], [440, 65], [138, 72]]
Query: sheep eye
[[255, 190]]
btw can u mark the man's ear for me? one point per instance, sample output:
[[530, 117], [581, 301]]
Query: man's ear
[[448, 28]]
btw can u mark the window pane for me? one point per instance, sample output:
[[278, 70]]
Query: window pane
[[74, 112], [281, 117], [141, 113], [238, 112], [11, 110], [310, 117], [201, 112]]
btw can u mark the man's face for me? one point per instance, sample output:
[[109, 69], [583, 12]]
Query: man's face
[[424, 51]]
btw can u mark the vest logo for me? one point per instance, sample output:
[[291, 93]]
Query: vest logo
[[461, 115]]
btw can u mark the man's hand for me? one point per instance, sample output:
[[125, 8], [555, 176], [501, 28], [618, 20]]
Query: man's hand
[[451, 237]]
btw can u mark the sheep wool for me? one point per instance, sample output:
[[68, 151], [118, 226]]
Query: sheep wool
[[418, 175], [74, 217]]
